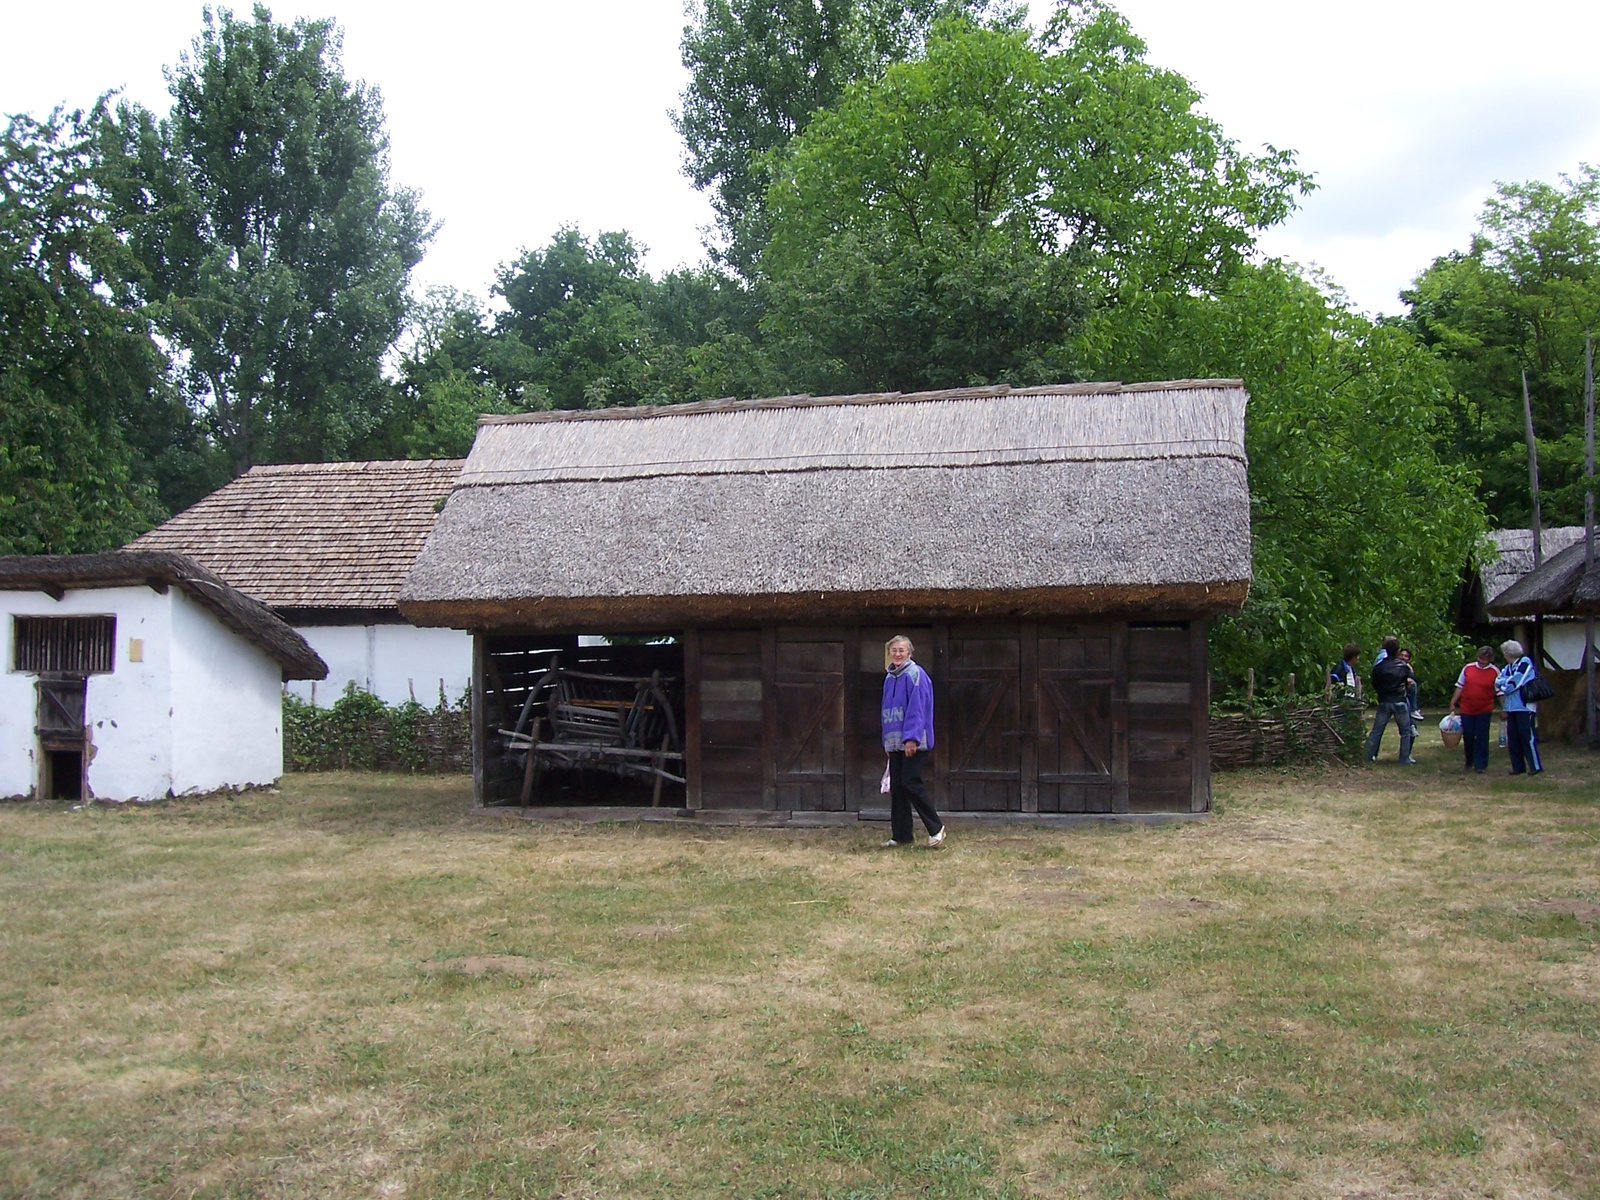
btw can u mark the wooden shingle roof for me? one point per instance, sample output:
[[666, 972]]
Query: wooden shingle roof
[[314, 535]]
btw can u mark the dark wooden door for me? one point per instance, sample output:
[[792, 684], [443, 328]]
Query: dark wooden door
[[60, 711], [809, 719], [980, 721], [1161, 719], [1074, 707]]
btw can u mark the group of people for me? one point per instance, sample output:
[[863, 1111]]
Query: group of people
[[1478, 686]]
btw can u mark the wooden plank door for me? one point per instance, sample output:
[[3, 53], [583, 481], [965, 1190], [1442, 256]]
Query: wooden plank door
[[731, 718], [61, 707], [1075, 691], [1161, 720], [982, 719], [808, 696]]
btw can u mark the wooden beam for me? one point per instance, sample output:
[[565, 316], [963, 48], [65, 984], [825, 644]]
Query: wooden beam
[[1028, 715], [478, 722], [157, 585], [942, 749], [691, 718], [1119, 717], [854, 748], [54, 591], [769, 717], [1200, 713]]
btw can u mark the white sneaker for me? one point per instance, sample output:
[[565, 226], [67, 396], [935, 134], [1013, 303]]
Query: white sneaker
[[891, 844], [936, 840]]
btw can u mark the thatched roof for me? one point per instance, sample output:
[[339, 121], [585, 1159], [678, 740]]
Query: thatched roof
[[337, 536], [1051, 500], [1512, 559], [54, 573], [1557, 587]]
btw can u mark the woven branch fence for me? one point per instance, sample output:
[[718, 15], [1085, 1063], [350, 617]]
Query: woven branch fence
[[1305, 731], [362, 733]]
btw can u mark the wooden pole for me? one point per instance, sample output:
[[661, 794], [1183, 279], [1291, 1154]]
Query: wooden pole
[[1535, 523], [1250, 685], [1588, 529], [1533, 470]]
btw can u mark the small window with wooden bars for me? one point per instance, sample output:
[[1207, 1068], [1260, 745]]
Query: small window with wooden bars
[[63, 645]]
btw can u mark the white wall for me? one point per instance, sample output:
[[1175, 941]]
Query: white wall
[[390, 661], [227, 704], [127, 711], [1563, 641]]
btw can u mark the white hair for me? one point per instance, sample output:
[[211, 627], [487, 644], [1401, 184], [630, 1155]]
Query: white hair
[[1511, 648]]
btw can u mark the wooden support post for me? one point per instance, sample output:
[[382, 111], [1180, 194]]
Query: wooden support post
[[530, 769], [691, 718], [854, 747], [1589, 535], [942, 750], [1291, 683], [1250, 685], [479, 651], [769, 717], [1200, 717], [1028, 704], [1119, 717]]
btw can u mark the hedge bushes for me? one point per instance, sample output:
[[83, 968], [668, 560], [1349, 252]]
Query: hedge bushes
[[362, 733]]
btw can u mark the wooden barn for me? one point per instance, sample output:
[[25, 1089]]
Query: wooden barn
[[1055, 553]]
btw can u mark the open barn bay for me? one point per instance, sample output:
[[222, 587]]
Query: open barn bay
[[1348, 983]]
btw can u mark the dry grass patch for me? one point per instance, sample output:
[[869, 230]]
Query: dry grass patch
[[1350, 983]]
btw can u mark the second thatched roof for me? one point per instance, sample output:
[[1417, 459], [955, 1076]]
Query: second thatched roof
[[1560, 586], [1045, 501]]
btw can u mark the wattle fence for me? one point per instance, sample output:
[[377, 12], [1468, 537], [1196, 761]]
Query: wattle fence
[[1295, 731], [362, 733]]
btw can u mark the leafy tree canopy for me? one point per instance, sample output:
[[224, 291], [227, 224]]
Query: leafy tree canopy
[[955, 222], [1520, 298], [761, 68], [78, 366], [1359, 529], [275, 249]]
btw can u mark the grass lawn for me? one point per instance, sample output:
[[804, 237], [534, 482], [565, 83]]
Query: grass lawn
[[1364, 982]]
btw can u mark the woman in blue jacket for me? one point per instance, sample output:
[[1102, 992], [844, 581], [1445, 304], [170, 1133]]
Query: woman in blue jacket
[[907, 737]]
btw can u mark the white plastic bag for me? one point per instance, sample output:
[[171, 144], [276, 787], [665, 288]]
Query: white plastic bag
[[884, 786], [1450, 724]]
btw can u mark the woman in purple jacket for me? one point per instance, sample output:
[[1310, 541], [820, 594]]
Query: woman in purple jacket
[[907, 736]]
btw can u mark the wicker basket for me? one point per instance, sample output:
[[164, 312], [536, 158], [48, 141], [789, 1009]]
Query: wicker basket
[[1452, 738]]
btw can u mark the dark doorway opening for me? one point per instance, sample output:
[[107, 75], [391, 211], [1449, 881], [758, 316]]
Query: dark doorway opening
[[570, 721], [63, 775]]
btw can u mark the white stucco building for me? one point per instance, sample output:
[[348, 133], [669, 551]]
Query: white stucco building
[[326, 546], [134, 676]]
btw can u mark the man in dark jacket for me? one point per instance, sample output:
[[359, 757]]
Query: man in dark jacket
[[1390, 678]]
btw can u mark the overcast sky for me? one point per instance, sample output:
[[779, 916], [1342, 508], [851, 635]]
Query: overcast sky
[[516, 118]]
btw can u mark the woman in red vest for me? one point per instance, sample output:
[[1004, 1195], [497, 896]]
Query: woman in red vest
[[1473, 701]]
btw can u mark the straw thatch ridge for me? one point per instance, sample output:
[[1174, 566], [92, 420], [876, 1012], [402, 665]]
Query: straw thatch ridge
[[1557, 587], [307, 537], [953, 431], [806, 400], [53, 573], [1070, 496]]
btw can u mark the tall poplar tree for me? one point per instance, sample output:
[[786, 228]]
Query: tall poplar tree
[[276, 250]]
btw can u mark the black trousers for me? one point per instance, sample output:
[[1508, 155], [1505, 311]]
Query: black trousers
[[907, 791]]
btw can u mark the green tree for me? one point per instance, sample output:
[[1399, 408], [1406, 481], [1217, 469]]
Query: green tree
[[276, 251], [956, 222], [1359, 529], [1520, 298], [584, 325], [78, 365], [759, 70]]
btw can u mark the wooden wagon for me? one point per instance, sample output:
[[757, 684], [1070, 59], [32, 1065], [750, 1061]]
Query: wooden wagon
[[619, 724]]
